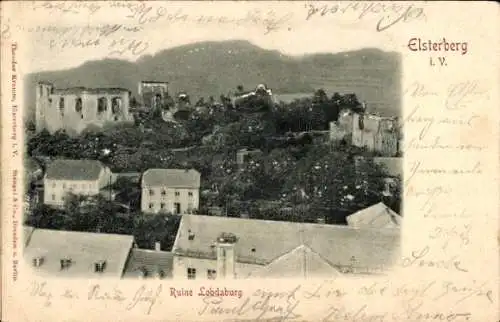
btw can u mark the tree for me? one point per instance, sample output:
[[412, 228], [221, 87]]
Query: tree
[[150, 229], [129, 192]]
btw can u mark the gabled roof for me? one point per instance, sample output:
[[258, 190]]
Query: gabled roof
[[74, 170], [174, 178], [149, 262], [301, 259], [376, 216], [84, 249], [262, 241]]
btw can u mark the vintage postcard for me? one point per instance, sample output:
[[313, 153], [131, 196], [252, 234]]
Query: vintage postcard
[[250, 161]]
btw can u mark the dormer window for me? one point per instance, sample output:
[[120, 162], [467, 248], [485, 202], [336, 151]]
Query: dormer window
[[99, 266], [65, 263], [190, 235], [38, 261]]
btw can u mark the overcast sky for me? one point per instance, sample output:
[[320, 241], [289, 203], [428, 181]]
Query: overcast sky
[[333, 32]]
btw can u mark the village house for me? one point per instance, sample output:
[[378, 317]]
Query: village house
[[174, 191], [378, 216], [76, 254], [78, 108], [79, 177], [92, 255], [208, 247]]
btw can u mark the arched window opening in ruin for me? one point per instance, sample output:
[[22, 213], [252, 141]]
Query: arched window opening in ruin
[[61, 105], [116, 105], [157, 101], [102, 105], [78, 105]]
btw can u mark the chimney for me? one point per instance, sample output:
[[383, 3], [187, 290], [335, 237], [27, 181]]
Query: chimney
[[158, 246], [225, 255]]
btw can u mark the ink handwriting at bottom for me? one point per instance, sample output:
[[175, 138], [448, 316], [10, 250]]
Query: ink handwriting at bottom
[[41, 290], [146, 295], [413, 311], [342, 314], [260, 305], [97, 293], [466, 291], [417, 259]]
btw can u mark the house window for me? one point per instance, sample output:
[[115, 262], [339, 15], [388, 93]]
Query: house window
[[151, 206], [162, 205], [64, 186], [163, 193], [53, 197], [211, 274], [190, 193], [191, 273], [100, 266], [177, 208], [65, 263], [177, 193], [151, 192]]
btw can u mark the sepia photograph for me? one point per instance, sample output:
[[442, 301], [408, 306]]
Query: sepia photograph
[[215, 159], [249, 161]]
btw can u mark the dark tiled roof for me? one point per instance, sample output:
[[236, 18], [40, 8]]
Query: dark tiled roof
[[175, 178], [149, 262], [262, 241], [74, 170]]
